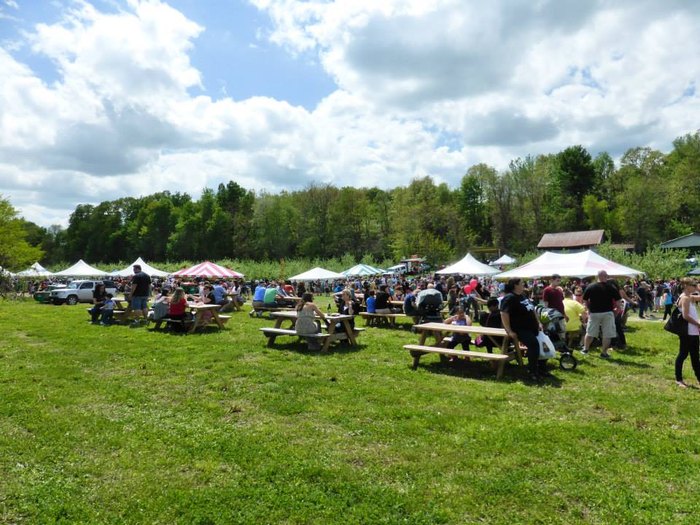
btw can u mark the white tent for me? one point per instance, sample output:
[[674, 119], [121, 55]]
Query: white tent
[[582, 264], [317, 274], [361, 270], [147, 269], [81, 269], [503, 260], [35, 270], [468, 266]]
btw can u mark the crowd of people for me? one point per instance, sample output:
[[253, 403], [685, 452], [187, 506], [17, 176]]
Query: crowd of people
[[591, 310]]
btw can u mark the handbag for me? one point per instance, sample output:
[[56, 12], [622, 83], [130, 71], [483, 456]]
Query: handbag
[[676, 324]]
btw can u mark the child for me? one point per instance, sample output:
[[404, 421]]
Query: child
[[459, 319], [107, 311]]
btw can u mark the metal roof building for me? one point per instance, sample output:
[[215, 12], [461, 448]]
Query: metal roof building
[[571, 240]]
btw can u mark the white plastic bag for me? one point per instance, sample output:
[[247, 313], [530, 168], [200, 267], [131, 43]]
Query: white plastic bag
[[546, 346]]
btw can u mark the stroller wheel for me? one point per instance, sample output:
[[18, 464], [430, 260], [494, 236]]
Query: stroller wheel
[[567, 362]]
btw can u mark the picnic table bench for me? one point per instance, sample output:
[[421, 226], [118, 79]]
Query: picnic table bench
[[439, 331], [199, 319], [347, 332]]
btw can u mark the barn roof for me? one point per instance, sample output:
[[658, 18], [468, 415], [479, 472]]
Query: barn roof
[[563, 240]]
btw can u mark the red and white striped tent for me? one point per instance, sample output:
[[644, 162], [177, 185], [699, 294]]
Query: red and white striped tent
[[209, 270]]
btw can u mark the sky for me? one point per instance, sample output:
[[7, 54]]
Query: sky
[[103, 99]]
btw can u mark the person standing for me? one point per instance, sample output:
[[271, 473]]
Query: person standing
[[688, 341], [521, 324], [140, 291], [601, 298], [553, 296]]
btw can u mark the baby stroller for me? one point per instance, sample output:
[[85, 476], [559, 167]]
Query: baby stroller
[[553, 325], [429, 305]]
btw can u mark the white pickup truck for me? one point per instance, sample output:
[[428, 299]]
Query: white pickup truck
[[79, 292]]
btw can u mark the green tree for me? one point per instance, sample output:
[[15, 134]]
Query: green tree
[[15, 251]]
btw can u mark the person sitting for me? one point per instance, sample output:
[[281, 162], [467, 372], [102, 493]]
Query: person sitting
[[271, 296], [98, 300], [306, 323], [370, 301], [347, 307], [160, 306], [382, 305], [259, 296], [107, 310], [459, 319], [220, 296], [409, 303], [490, 319], [177, 308]]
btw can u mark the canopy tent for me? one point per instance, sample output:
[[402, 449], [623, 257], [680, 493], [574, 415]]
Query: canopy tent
[[81, 269], [503, 260], [317, 274], [147, 268], [361, 270], [468, 266], [582, 264], [209, 270], [35, 270]]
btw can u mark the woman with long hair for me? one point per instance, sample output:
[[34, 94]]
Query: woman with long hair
[[689, 342], [306, 323], [177, 309]]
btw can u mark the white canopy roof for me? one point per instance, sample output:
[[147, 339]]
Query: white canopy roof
[[81, 269], [582, 264], [468, 266], [147, 269], [503, 259], [35, 270], [317, 274], [362, 270]]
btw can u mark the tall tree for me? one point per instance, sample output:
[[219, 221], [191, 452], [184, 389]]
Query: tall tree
[[15, 251]]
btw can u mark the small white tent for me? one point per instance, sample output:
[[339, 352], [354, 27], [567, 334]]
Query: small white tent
[[503, 260], [468, 266], [581, 264], [81, 269], [35, 270], [147, 269], [317, 274]]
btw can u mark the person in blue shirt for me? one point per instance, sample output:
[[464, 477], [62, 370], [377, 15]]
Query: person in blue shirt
[[259, 295], [370, 302]]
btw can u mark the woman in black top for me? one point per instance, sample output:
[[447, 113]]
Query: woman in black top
[[521, 323], [98, 300]]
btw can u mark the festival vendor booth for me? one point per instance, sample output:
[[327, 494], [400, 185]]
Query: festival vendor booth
[[317, 274], [468, 266], [362, 270], [81, 269], [145, 267], [206, 270], [580, 265]]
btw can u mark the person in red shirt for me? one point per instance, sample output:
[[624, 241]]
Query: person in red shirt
[[177, 308], [553, 296]]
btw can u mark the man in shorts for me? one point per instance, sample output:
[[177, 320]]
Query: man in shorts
[[140, 291], [601, 298]]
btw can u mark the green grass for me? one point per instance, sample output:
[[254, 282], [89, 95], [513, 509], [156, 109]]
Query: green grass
[[119, 425]]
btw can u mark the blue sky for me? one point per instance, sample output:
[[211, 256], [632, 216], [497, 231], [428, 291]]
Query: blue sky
[[101, 99]]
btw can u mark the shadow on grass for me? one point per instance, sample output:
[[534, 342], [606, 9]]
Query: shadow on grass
[[301, 347], [482, 370]]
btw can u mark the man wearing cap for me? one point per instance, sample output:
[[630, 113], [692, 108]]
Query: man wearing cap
[[140, 291]]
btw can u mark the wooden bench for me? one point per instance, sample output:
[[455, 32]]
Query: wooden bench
[[498, 359], [372, 318], [273, 333]]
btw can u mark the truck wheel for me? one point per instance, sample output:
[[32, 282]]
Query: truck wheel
[[72, 300]]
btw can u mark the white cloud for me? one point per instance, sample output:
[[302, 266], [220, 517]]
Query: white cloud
[[424, 87]]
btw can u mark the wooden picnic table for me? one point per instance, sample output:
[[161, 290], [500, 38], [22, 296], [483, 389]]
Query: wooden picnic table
[[347, 333], [201, 320], [440, 330]]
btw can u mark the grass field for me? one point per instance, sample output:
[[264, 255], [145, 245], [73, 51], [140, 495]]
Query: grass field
[[119, 425]]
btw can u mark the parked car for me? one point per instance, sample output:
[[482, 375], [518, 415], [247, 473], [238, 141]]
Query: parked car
[[79, 292]]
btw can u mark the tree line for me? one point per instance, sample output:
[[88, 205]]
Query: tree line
[[648, 198]]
